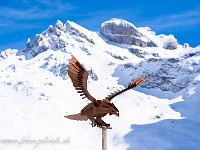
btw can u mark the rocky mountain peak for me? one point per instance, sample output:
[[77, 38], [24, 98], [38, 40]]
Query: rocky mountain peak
[[57, 38], [170, 43], [119, 22], [59, 25], [123, 32], [28, 44]]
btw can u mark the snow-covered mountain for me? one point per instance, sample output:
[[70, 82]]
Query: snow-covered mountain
[[36, 92]]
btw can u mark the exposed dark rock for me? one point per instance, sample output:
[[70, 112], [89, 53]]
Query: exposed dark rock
[[28, 44], [154, 60], [191, 54], [50, 29], [167, 75], [93, 75], [117, 56], [59, 25], [128, 65], [155, 54], [61, 44], [5, 54], [138, 53], [171, 45], [37, 39], [173, 60], [186, 45]]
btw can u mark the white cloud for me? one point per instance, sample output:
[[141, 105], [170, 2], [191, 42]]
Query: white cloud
[[34, 10]]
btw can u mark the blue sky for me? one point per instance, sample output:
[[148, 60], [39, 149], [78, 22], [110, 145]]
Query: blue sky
[[21, 19]]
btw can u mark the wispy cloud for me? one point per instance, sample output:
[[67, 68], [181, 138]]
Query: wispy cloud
[[176, 21], [191, 13], [161, 23], [38, 10], [26, 14], [13, 45], [185, 23], [2, 24]]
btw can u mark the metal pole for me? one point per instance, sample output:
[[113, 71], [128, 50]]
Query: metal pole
[[104, 138]]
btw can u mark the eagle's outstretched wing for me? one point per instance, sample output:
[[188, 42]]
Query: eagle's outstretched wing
[[79, 76], [135, 83]]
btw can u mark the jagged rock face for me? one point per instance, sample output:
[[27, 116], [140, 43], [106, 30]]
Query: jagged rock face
[[92, 74], [186, 45], [5, 54], [122, 32], [169, 74], [40, 45], [59, 25], [28, 44], [138, 53], [171, 45], [168, 42], [37, 39]]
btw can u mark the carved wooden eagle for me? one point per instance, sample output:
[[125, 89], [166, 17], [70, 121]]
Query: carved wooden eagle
[[97, 108]]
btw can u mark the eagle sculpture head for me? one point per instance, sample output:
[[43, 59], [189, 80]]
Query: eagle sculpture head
[[113, 109], [110, 106]]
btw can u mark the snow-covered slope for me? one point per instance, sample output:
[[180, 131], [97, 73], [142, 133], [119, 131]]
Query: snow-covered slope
[[161, 114]]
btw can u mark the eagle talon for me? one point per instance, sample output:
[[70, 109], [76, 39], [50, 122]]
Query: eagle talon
[[107, 125], [98, 124]]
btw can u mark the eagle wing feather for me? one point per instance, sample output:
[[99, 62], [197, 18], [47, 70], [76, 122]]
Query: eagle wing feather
[[79, 76], [130, 86]]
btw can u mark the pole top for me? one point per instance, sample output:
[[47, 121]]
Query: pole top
[[105, 127]]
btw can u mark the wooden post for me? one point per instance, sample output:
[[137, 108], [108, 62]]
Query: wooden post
[[104, 138]]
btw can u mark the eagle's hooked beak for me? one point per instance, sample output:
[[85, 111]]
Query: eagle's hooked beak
[[117, 114]]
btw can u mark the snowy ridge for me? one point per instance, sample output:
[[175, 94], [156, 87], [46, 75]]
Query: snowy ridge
[[36, 91], [161, 40]]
